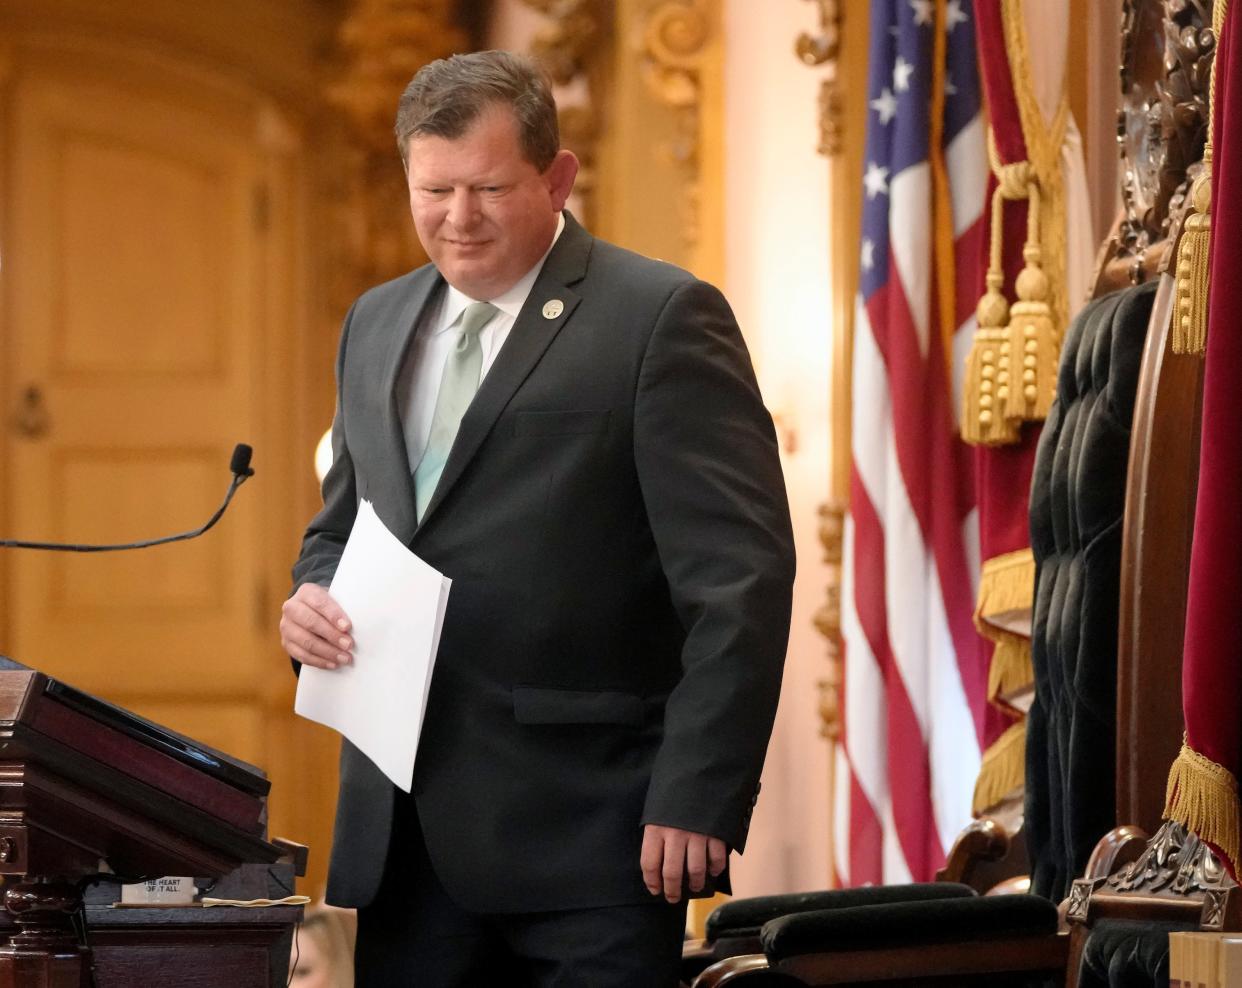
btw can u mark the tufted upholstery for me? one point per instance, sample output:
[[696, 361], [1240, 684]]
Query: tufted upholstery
[[744, 917], [1077, 504], [909, 924]]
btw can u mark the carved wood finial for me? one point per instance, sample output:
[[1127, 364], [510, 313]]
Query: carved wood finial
[[1166, 56]]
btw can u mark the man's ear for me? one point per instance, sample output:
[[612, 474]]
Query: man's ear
[[560, 177]]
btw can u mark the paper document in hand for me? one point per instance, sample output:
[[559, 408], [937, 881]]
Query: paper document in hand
[[396, 603]]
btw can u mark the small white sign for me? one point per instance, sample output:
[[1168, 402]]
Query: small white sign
[[159, 891]]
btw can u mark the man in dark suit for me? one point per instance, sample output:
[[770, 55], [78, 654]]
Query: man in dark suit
[[574, 435]]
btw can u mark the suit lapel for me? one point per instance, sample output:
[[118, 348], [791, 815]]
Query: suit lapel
[[532, 333], [403, 523]]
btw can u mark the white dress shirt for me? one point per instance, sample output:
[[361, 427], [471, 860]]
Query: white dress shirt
[[418, 384]]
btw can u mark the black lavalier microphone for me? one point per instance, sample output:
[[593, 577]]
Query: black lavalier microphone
[[242, 471]]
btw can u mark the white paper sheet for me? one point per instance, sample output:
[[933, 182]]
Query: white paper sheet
[[396, 603]]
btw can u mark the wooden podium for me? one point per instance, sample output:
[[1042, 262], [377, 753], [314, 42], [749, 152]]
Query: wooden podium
[[88, 789]]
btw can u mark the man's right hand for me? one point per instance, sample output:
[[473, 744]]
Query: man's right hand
[[314, 630]]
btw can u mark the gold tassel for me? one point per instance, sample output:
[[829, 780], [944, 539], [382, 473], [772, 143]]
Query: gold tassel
[[1033, 342], [1190, 322], [1203, 797], [987, 377], [1003, 768]]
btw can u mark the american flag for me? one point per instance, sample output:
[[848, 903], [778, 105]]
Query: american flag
[[915, 710]]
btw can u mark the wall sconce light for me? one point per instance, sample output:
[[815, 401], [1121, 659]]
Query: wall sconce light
[[323, 455]]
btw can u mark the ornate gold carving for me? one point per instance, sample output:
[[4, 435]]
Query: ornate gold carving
[[822, 49], [380, 45], [571, 49], [828, 618], [675, 36]]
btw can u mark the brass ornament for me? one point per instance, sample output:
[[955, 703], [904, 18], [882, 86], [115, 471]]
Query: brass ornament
[[822, 50]]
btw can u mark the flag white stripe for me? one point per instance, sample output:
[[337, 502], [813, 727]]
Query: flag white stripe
[[866, 707], [910, 240], [966, 161]]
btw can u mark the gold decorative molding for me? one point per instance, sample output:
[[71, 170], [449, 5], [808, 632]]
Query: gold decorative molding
[[380, 44], [823, 49], [828, 618], [675, 36], [573, 48]]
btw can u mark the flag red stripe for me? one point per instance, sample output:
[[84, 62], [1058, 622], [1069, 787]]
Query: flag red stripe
[[908, 763], [866, 839], [937, 473]]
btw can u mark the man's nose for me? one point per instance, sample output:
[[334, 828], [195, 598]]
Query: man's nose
[[463, 211]]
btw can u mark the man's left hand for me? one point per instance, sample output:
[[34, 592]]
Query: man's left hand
[[669, 854]]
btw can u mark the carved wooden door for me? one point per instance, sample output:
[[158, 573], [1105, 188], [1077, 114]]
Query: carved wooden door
[[133, 280]]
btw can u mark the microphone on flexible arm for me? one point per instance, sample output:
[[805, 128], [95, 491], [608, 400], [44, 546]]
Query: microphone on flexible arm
[[242, 471]]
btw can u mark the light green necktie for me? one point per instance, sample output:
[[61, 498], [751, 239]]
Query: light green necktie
[[457, 387]]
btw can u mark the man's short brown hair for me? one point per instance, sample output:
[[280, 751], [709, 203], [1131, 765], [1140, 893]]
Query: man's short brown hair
[[446, 96]]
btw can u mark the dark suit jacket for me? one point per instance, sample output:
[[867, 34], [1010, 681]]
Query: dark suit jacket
[[614, 521]]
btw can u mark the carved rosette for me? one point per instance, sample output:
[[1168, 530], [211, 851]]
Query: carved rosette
[[822, 49], [573, 49], [380, 44], [675, 35], [828, 617], [1166, 59], [1079, 900]]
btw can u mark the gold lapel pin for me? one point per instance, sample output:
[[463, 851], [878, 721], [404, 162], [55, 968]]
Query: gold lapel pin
[[553, 308]]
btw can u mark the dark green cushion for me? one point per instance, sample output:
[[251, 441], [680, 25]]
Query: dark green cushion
[[1127, 954], [909, 924], [744, 917]]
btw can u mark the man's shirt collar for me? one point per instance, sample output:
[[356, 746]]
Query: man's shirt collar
[[509, 302]]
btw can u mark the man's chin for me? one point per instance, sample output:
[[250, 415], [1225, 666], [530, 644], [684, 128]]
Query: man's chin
[[474, 280]]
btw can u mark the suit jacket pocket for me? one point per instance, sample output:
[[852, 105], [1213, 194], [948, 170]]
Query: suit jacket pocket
[[567, 423], [541, 705]]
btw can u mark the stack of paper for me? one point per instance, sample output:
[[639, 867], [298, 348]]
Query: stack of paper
[[395, 603]]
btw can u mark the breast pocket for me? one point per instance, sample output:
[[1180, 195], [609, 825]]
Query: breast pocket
[[576, 422]]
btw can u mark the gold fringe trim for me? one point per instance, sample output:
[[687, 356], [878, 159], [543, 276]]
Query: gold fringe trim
[[1190, 317], [1203, 797], [1011, 668], [1006, 587], [1003, 769], [1006, 583]]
